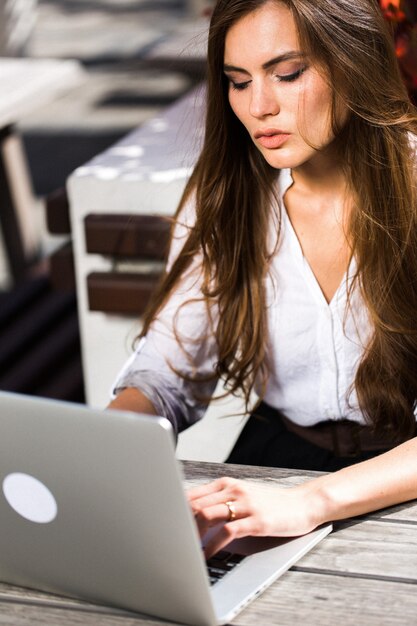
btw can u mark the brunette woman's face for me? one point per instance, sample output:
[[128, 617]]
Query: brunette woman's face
[[275, 91]]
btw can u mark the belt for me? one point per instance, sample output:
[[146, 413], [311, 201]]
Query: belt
[[342, 437]]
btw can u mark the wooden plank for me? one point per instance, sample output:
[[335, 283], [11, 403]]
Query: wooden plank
[[21, 192], [28, 614], [195, 470], [368, 548], [129, 236], [11, 226], [62, 271], [296, 598], [323, 600], [58, 212], [120, 292], [48, 608]]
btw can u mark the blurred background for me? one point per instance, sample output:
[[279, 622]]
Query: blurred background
[[135, 60]]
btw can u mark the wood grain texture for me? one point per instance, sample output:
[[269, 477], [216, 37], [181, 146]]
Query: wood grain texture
[[368, 548], [325, 600], [208, 471], [296, 598], [30, 603], [33, 615]]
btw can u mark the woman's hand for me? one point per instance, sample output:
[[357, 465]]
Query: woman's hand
[[243, 508], [267, 510]]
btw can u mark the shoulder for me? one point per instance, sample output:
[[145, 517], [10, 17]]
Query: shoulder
[[186, 217]]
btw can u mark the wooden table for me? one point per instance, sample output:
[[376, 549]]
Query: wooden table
[[365, 572]]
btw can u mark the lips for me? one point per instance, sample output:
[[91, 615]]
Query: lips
[[271, 138]]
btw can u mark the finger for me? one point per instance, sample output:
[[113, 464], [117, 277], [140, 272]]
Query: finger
[[199, 506], [211, 516], [215, 486], [230, 531], [212, 510], [220, 492], [220, 540]]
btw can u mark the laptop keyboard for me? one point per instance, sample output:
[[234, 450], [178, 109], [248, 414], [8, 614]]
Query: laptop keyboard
[[222, 563]]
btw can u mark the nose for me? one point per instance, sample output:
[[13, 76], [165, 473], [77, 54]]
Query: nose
[[264, 100]]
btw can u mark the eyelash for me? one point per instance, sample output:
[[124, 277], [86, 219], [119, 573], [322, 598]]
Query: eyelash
[[288, 78]]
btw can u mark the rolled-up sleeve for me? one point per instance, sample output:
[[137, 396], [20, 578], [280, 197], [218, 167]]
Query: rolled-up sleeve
[[179, 348]]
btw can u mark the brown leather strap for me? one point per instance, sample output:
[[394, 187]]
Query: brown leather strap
[[342, 437]]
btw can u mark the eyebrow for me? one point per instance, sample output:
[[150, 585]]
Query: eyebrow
[[288, 56]]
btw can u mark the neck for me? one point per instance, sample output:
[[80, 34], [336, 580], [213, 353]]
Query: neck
[[322, 175]]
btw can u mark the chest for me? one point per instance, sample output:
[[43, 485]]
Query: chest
[[320, 231], [315, 346]]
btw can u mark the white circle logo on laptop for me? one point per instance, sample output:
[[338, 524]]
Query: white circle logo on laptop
[[30, 498]]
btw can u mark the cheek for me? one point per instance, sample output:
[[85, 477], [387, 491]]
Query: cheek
[[314, 112]]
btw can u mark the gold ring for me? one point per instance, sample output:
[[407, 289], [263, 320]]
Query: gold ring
[[232, 510]]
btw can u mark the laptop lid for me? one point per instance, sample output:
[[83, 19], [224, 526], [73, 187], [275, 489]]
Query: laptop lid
[[92, 505]]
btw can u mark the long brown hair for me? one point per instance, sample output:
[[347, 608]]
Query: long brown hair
[[232, 187]]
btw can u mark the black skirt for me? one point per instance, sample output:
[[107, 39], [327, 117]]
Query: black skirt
[[266, 441]]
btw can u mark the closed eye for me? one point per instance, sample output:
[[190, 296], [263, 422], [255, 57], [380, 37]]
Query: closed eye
[[239, 86], [281, 78], [289, 78]]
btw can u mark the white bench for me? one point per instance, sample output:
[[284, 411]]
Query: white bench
[[145, 173]]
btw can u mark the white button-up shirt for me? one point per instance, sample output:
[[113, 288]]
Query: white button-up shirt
[[315, 346]]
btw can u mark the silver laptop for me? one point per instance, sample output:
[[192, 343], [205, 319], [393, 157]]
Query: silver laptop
[[92, 505]]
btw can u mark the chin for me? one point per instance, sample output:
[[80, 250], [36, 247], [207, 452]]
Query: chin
[[281, 162], [285, 159]]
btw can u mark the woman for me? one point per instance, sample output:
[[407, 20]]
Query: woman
[[293, 267]]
